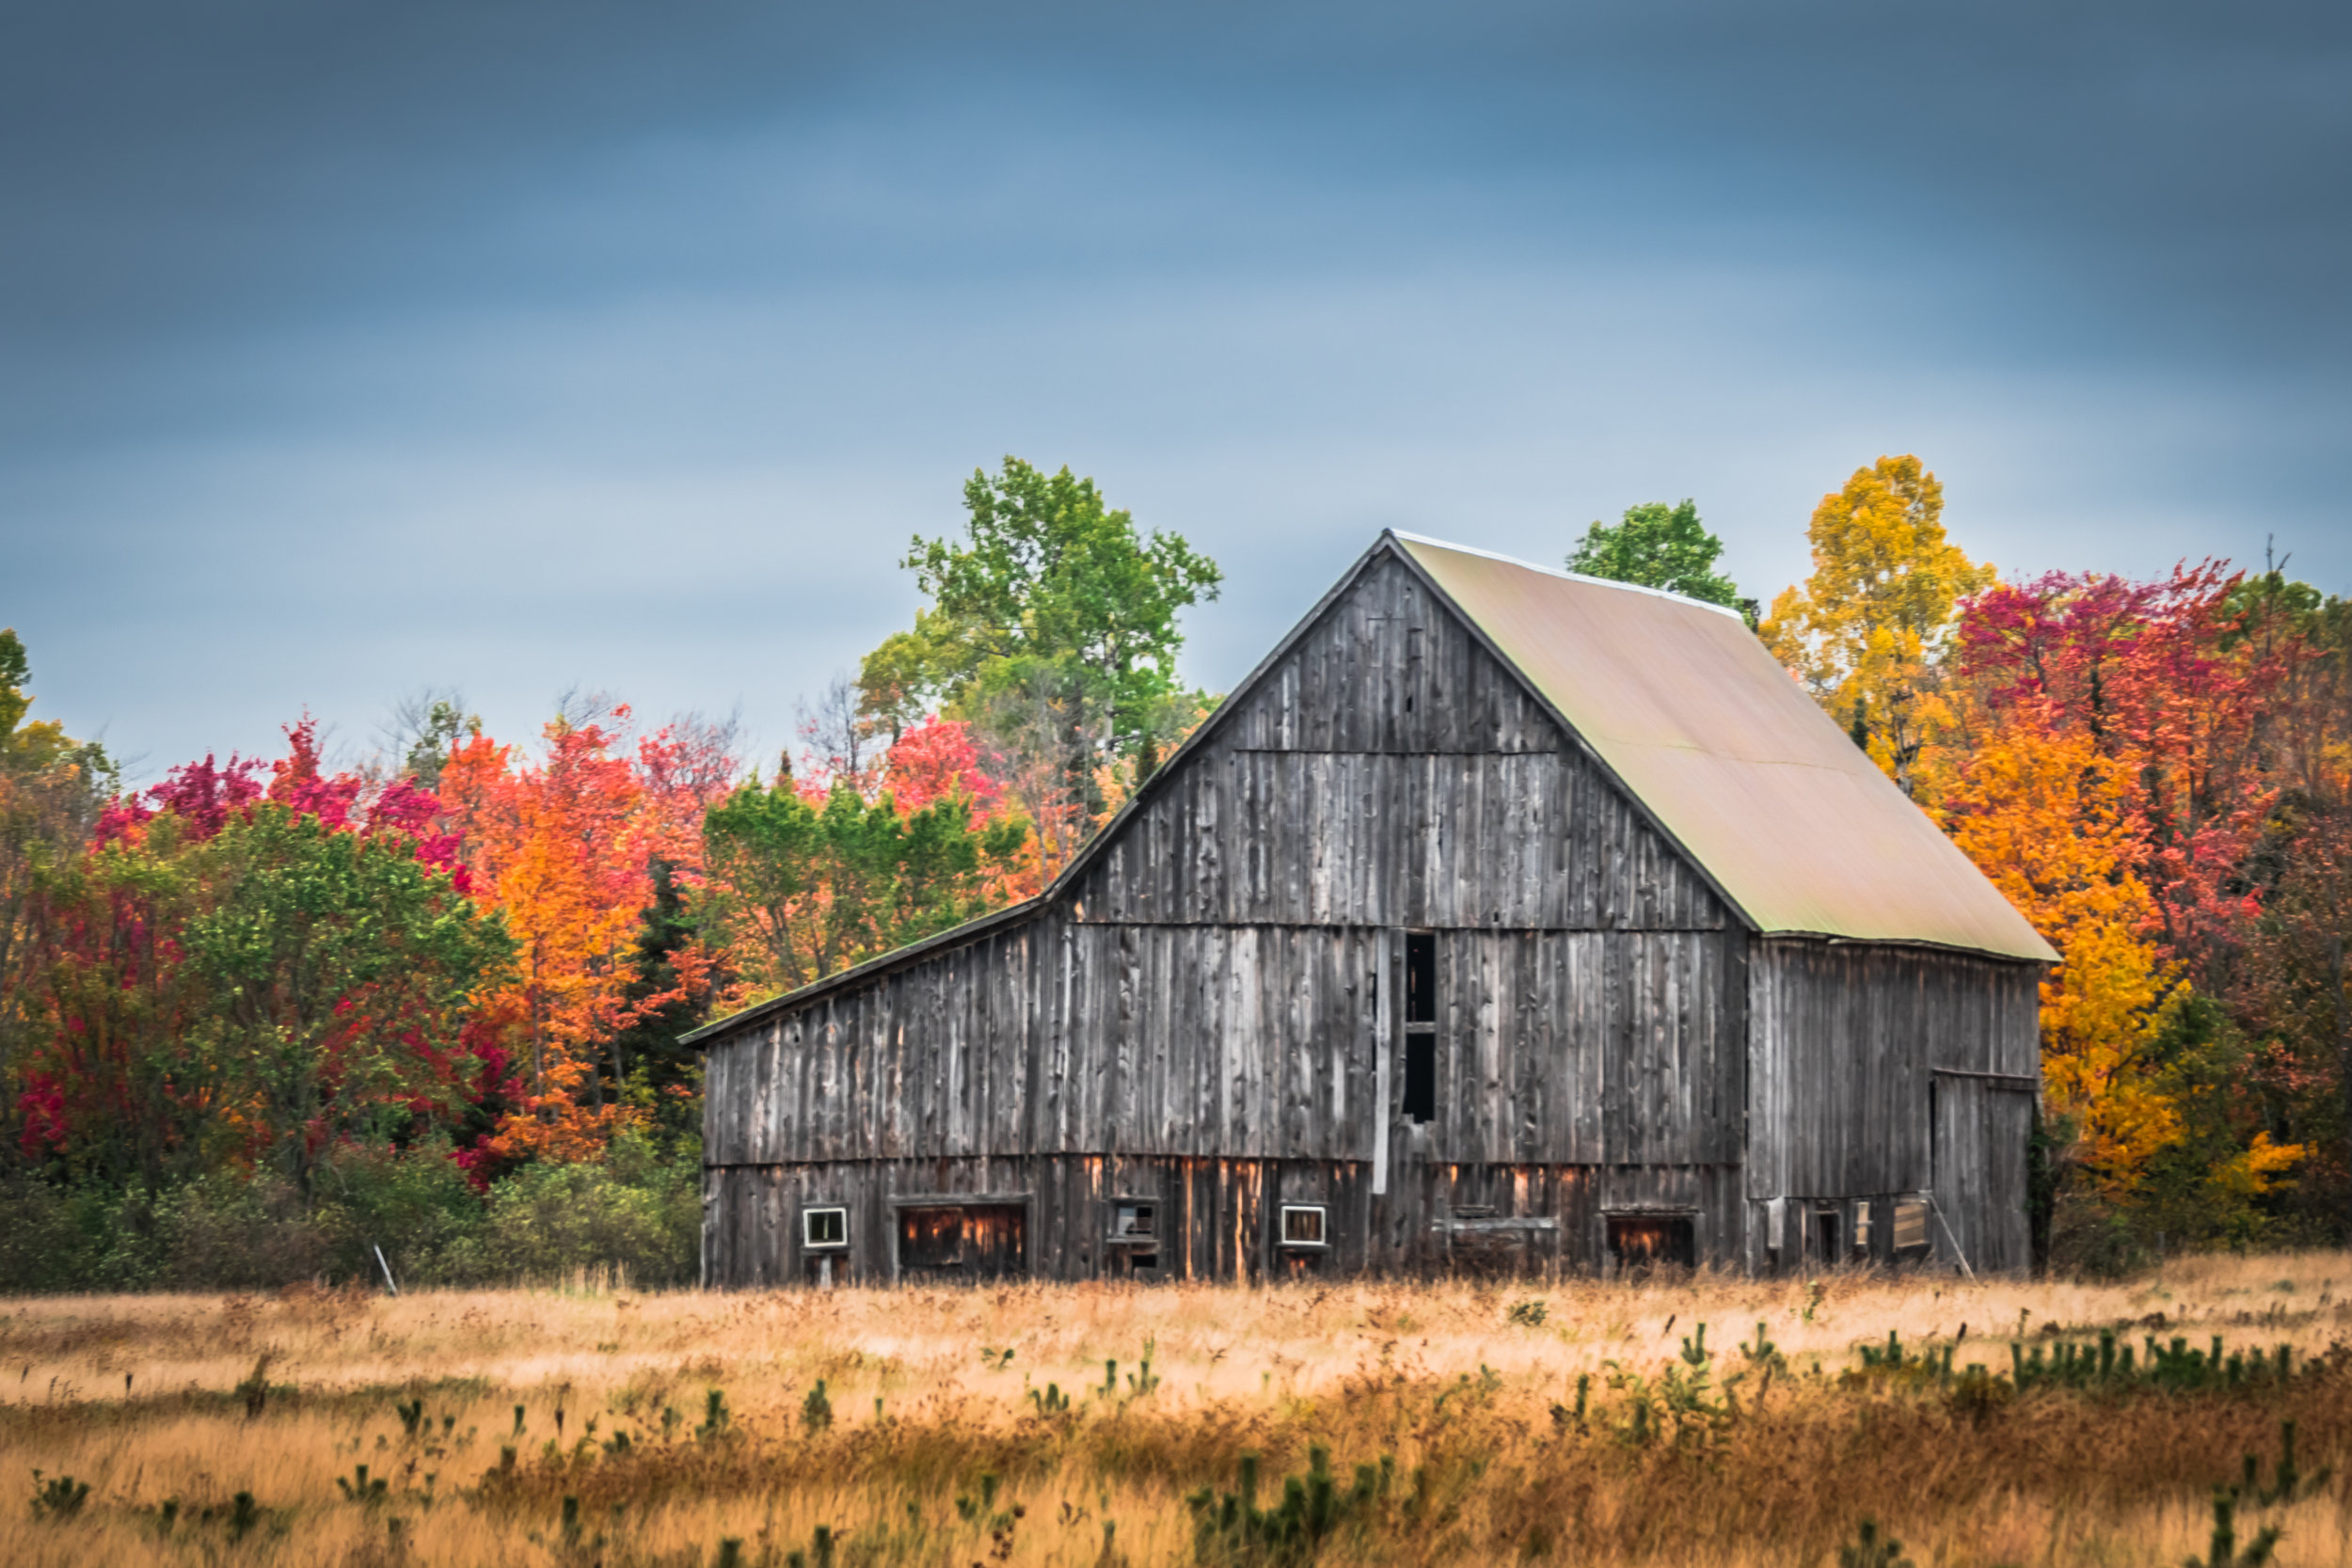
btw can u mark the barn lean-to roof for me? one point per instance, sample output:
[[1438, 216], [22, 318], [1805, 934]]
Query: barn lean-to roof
[[1794, 826]]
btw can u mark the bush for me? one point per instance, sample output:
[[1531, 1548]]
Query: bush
[[637, 1212], [416, 1204], [44, 1244], [227, 1230]]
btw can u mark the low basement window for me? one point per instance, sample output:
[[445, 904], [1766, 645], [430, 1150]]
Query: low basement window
[[1305, 1225], [1910, 1225], [824, 1229]]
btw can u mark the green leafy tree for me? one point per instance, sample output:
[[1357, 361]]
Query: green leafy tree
[[1047, 574], [331, 962], [1658, 547], [647, 1053], [815, 887]]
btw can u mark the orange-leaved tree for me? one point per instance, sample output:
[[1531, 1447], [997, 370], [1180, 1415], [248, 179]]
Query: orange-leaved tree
[[561, 845], [2050, 821]]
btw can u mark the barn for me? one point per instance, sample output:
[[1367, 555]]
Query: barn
[[1501, 920]]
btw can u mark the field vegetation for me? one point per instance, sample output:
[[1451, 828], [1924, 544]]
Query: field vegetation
[[1853, 1419]]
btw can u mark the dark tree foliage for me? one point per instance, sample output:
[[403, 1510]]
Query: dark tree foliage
[[647, 1056]]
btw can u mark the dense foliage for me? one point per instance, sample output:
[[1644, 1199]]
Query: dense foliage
[[264, 1018]]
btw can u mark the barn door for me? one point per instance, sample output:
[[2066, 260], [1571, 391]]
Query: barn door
[[1981, 1125]]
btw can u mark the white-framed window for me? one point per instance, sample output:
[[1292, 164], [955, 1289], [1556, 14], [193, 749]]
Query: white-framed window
[[1135, 1220], [1305, 1225], [824, 1229]]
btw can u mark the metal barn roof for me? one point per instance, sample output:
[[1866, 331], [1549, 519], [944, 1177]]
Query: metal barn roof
[[1796, 826]]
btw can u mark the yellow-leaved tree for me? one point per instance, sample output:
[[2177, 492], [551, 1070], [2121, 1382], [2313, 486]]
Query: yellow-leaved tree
[[1866, 630], [2049, 820]]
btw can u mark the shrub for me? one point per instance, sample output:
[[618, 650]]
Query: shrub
[[415, 1203], [636, 1212]]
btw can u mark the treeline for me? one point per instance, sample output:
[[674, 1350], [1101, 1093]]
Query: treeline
[[268, 1016]]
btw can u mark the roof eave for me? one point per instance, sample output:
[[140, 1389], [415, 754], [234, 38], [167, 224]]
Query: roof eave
[[955, 936]]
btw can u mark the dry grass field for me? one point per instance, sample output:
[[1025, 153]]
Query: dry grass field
[[1023, 1426]]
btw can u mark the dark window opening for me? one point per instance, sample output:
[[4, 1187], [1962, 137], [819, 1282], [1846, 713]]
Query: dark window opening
[[1421, 1026], [1824, 1246], [1304, 1225], [824, 1227], [1421, 978], [1645, 1241], [1421, 1077], [1133, 1222]]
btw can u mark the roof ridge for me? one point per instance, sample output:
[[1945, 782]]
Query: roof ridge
[[1569, 576]]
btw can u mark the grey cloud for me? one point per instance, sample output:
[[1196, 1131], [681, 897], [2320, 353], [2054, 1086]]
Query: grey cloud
[[356, 348]]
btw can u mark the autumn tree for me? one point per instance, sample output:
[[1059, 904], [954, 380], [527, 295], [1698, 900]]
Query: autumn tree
[[1658, 545], [1869, 626], [52, 788], [2108, 759], [816, 881], [249, 972], [2157, 678], [2050, 821], [553, 845]]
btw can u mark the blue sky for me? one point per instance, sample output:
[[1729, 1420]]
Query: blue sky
[[351, 348]]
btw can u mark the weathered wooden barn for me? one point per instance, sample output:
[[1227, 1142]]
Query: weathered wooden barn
[[1501, 919]]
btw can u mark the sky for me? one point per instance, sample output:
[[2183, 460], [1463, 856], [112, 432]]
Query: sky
[[352, 350]]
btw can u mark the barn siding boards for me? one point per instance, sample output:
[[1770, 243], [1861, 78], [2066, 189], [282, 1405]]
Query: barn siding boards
[[1388, 771], [1257, 1042], [1533, 840], [1390, 667], [1219, 1219], [1849, 1039]]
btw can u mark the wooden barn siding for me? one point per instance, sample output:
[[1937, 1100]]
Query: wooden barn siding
[[1216, 1217], [1263, 1041], [1538, 840], [1387, 668], [1845, 1040], [1390, 771]]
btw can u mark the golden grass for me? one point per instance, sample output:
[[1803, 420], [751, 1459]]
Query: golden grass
[[139, 1397]]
